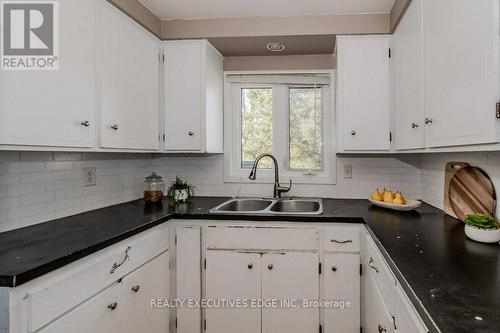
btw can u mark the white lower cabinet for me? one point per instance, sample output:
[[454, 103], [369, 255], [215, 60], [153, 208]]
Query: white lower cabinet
[[376, 317], [149, 282], [123, 307], [99, 314], [342, 284], [290, 276], [233, 276], [270, 277]]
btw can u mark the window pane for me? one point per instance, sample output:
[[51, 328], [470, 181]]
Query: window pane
[[305, 128], [256, 125]]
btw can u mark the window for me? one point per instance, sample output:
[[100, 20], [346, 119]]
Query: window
[[284, 115], [256, 125], [305, 128]]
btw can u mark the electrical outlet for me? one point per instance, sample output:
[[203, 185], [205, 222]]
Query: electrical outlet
[[347, 171], [89, 177]]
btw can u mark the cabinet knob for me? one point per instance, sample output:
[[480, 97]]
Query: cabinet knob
[[270, 266], [381, 329], [112, 306], [353, 133], [191, 133], [136, 288], [85, 123], [428, 121], [334, 268], [414, 125], [250, 266], [114, 127]]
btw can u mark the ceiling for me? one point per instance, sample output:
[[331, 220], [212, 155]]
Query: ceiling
[[203, 9], [256, 46]]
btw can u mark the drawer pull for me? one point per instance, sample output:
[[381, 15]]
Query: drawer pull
[[342, 241], [116, 265], [136, 288], [381, 329], [370, 263], [112, 306], [270, 266], [250, 266], [334, 268]]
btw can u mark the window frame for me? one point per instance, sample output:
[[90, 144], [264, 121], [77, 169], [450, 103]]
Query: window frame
[[234, 173]]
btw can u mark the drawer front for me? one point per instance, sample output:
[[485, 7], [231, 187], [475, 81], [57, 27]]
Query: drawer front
[[382, 275], [341, 240], [82, 279], [262, 238], [102, 313]]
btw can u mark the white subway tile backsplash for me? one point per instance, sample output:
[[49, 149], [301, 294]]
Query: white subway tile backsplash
[[65, 165], [25, 211], [38, 187], [35, 177], [21, 167]]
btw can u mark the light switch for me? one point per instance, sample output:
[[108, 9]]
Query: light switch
[[89, 177], [347, 171]]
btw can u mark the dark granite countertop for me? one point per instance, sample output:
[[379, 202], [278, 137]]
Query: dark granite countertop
[[454, 279]]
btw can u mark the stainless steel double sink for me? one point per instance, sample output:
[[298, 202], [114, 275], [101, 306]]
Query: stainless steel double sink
[[265, 206]]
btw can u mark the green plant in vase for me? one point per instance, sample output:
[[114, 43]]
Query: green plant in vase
[[179, 191]]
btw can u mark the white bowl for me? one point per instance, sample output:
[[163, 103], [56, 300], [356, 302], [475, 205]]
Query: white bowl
[[482, 235], [410, 205]]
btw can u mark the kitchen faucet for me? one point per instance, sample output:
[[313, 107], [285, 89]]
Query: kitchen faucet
[[278, 189]]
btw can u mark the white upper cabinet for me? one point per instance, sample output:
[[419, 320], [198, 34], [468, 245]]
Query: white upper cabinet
[[55, 108], [193, 97], [364, 93], [409, 112], [461, 42], [129, 83]]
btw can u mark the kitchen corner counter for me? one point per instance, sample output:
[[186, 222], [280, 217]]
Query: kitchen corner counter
[[453, 279]]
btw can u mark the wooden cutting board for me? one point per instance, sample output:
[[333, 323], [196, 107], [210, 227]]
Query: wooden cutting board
[[468, 190]]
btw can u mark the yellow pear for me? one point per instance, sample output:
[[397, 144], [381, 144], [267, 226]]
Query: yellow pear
[[377, 196], [388, 197], [399, 199]]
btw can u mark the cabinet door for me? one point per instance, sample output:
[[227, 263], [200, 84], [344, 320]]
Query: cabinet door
[[147, 283], [342, 283], [188, 277], [47, 108], [290, 276], [375, 316], [461, 71], [409, 80], [184, 97], [103, 313], [129, 83], [364, 92], [233, 276]]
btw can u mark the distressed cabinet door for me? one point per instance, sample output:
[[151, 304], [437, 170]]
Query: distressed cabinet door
[[149, 282], [342, 283], [233, 276], [129, 83], [290, 276], [57, 107]]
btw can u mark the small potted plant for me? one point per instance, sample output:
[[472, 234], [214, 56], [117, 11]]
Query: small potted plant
[[482, 228], [179, 191]]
